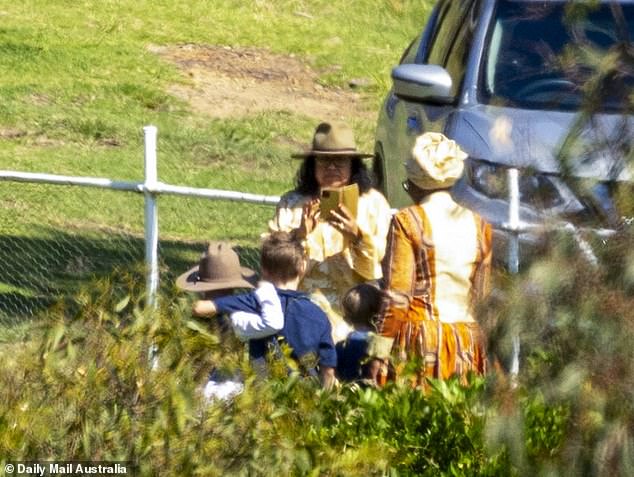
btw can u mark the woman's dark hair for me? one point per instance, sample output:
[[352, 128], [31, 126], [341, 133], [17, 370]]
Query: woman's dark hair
[[306, 182]]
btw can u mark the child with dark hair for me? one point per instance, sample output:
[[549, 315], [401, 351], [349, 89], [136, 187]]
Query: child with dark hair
[[361, 306], [305, 328]]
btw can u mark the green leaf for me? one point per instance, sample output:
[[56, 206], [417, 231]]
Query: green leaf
[[119, 307]]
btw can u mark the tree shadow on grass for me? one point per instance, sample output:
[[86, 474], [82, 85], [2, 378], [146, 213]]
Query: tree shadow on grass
[[38, 270]]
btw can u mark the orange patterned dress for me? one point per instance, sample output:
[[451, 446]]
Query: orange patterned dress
[[438, 260]]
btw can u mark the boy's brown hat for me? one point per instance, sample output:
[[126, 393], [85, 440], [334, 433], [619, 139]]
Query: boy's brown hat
[[219, 268]]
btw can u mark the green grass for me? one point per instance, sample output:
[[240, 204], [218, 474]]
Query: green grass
[[81, 72], [79, 82]]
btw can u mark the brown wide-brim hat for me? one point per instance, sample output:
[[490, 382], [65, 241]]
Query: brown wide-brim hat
[[332, 140], [219, 269]]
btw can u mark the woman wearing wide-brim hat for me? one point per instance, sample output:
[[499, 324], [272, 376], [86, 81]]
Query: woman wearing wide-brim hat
[[344, 249], [437, 267]]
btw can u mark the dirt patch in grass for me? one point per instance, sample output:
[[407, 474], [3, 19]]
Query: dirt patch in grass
[[11, 133], [232, 82]]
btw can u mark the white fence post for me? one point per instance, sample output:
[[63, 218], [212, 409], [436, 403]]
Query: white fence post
[[514, 254], [151, 215]]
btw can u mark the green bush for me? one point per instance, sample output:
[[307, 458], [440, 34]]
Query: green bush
[[81, 387], [574, 404]]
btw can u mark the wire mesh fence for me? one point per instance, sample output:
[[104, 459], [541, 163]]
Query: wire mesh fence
[[54, 239]]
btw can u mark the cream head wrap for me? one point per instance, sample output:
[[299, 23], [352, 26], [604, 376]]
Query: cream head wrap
[[436, 163]]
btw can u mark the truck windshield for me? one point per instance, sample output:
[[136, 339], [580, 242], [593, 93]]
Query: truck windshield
[[549, 55]]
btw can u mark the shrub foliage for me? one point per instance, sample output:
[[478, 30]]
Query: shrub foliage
[[83, 385]]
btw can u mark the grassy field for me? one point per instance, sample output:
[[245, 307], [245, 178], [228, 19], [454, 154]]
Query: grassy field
[[80, 80]]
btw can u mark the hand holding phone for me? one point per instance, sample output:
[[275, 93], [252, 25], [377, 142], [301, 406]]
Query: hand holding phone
[[331, 199], [342, 219]]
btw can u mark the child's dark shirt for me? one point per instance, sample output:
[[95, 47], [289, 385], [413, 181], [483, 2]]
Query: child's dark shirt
[[306, 327]]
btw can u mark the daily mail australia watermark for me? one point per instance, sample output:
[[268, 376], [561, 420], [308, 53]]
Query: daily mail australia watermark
[[68, 468]]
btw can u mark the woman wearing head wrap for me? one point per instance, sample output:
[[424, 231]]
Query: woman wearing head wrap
[[344, 248], [437, 262]]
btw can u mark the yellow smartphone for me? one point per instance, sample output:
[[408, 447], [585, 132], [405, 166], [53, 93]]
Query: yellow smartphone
[[329, 201], [332, 197]]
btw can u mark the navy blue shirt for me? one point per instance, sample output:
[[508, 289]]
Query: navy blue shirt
[[351, 355], [306, 327]]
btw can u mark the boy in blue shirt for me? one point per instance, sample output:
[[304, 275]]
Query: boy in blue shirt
[[306, 328], [219, 273]]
